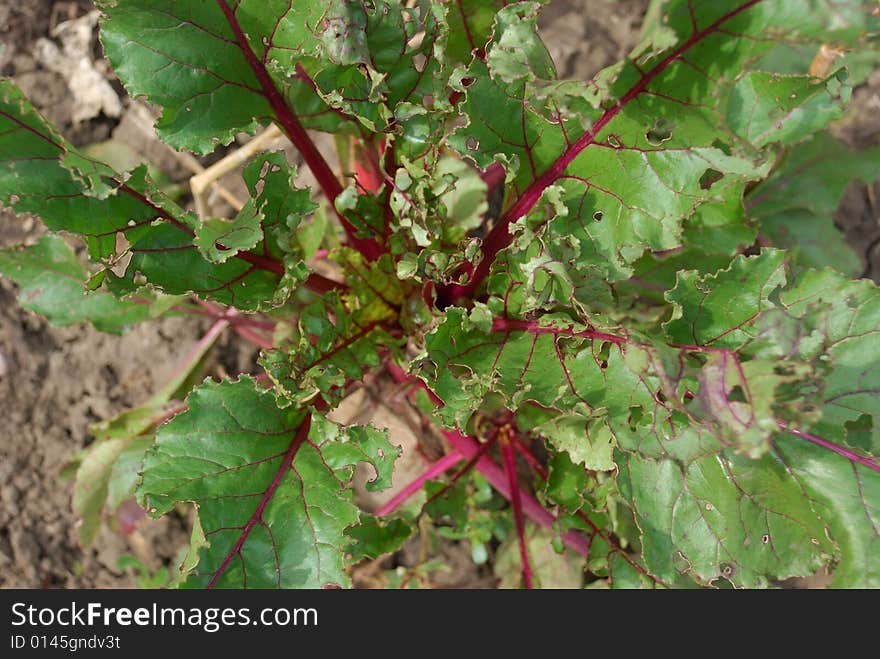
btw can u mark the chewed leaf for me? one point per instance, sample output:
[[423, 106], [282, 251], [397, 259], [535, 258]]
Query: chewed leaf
[[847, 496], [719, 309], [37, 177], [602, 173], [347, 446], [839, 328], [766, 107], [726, 517], [272, 506], [589, 444], [470, 23], [330, 344], [185, 57]]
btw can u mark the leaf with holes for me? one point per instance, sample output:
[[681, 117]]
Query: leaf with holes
[[601, 310], [270, 486]]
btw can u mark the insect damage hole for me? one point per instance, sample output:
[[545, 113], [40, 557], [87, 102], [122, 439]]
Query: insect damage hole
[[709, 178], [660, 132], [737, 395], [472, 143], [598, 216]]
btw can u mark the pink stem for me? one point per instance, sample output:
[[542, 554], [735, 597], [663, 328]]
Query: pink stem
[[291, 125], [529, 457], [232, 316], [509, 458], [435, 469], [254, 337], [468, 446], [484, 447], [499, 237], [824, 443]]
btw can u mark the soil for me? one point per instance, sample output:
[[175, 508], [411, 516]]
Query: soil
[[55, 382]]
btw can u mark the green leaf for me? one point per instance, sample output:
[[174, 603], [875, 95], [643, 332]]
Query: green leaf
[[118, 215], [847, 496], [52, 281], [604, 172], [375, 536], [719, 309], [568, 483], [343, 447], [271, 486], [184, 57], [624, 576], [725, 517], [824, 166], [767, 107], [837, 328], [219, 239], [126, 471], [90, 487], [329, 344], [271, 181], [589, 444], [383, 73], [470, 23]]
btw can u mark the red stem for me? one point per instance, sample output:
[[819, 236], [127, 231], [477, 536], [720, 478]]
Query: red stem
[[292, 127], [534, 327], [469, 447], [509, 459], [824, 443], [322, 285], [493, 176], [302, 434], [530, 458], [499, 237], [435, 469], [544, 474], [472, 461], [496, 477], [230, 315]]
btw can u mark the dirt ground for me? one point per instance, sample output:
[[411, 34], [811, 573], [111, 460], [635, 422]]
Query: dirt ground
[[55, 382]]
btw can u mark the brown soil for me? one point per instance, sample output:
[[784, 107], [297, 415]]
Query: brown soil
[[55, 382]]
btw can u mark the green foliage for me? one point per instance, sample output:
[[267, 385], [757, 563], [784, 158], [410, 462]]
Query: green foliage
[[637, 276]]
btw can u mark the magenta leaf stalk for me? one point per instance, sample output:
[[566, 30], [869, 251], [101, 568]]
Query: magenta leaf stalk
[[434, 470], [852, 456], [499, 237], [292, 127], [497, 478], [509, 458]]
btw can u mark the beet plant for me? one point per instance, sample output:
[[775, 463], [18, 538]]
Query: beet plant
[[618, 310]]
